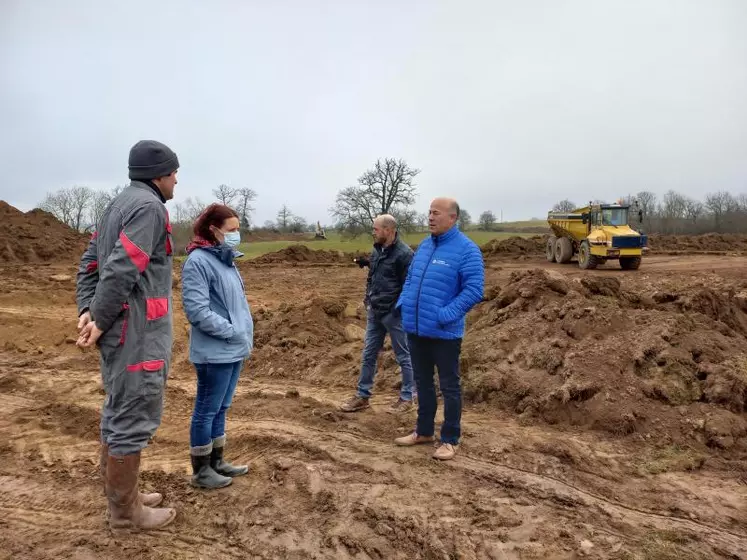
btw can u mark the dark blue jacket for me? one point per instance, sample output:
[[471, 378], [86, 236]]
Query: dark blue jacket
[[445, 280], [386, 276]]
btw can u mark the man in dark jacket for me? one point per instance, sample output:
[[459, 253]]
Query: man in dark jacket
[[445, 280], [387, 272], [124, 308]]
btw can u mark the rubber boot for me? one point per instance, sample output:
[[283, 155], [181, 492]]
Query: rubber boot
[[125, 507], [226, 469], [204, 476], [151, 499]]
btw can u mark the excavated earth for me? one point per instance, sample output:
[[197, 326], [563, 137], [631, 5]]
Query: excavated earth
[[604, 418]]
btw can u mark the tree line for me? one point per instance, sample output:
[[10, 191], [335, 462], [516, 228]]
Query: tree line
[[82, 207], [389, 188], [675, 213]]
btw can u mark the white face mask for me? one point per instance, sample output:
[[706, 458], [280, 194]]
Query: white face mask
[[232, 238]]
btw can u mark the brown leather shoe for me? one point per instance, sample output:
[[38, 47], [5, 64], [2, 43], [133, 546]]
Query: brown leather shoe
[[445, 452], [125, 507], [151, 499], [354, 404], [400, 406], [413, 439]]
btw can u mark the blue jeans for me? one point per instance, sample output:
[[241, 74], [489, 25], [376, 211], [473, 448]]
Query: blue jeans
[[216, 384], [427, 354], [376, 330]]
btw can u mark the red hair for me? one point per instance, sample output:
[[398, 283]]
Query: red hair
[[214, 215]]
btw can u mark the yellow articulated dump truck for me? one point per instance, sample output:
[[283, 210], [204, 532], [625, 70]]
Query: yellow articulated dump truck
[[596, 233]]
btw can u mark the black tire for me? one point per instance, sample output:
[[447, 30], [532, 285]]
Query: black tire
[[550, 249], [586, 260], [563, 250], [630, 263]]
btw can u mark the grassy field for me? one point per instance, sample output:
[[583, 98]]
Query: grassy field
[[362, 243]]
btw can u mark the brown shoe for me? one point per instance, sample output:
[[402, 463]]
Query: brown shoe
[[125, 507], [151, 499], [354, 404], [445, 452], [413, 439], [400, 406]]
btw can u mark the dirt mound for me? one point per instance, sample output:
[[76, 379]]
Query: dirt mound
[[36, 236], [709, 242], [302, 254], [529, 246], [595, 353]]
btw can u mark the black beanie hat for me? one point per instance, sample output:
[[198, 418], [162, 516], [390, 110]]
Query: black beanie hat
[[150, 160]]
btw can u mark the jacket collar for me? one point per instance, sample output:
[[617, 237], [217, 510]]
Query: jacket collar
[[450, 234], [149, 185], [379, 247], [223, 253]]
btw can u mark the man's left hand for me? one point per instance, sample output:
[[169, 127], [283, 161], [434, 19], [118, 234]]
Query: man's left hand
[[89, 335]]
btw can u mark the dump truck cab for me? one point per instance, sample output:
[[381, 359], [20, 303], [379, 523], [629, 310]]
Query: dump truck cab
[[596, 233]]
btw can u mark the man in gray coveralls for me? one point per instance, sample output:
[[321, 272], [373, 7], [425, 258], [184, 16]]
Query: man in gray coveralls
[[124, 305]]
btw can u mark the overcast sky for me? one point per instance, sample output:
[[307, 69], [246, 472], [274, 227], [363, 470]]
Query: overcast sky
[[508, 105]]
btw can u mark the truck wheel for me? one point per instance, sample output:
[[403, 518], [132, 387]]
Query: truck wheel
[[630, 263], [586, 260], [550, 248], [563, 250]]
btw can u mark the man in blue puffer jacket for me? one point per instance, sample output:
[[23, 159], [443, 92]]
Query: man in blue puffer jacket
[[445, 280]]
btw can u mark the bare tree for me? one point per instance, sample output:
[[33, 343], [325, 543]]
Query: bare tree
[[407, 220], [285, 216], [719, 204], [246, 196], [465, 220], [225, 194], [487, 220], [99, 203], [564, 206], [60, 205], [81, 200], [693, 210], [388, 186], [297, 224]]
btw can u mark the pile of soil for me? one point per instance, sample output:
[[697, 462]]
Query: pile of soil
[[529, 246], [319, 340], [302, 254], [706, 243], [592, 352], [37, 236]]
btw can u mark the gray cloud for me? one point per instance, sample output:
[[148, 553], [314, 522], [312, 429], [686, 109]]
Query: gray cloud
[[506, 105]]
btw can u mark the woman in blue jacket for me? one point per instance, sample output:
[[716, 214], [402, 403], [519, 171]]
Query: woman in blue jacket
[[221, 338]]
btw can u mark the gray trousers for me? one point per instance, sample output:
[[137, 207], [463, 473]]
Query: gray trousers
[[133, 406]]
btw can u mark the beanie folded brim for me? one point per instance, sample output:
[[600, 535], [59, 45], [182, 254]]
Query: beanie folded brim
[[147, 172]]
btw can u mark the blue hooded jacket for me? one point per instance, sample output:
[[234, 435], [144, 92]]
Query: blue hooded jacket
[[216, 307], [445, 280]]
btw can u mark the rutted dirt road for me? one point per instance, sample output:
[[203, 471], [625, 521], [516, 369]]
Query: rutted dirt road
[[538, 476]]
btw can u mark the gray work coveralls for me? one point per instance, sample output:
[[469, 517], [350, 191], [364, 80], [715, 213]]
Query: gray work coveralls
[[124, 280]]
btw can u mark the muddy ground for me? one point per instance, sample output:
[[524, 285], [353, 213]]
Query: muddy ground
[[604, 418]]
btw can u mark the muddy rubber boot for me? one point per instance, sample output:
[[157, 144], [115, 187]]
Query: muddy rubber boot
[[151, 499], [204, 476], [125, 507], [226, 469]]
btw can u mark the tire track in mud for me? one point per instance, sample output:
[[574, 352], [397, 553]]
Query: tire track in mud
[[540, 486]]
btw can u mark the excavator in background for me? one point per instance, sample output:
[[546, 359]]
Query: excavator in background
[[596, 233]]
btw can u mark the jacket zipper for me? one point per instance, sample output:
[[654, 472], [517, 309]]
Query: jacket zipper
[[420, 287]]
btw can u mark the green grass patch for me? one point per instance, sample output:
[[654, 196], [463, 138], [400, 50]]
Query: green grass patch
[[363, 243]]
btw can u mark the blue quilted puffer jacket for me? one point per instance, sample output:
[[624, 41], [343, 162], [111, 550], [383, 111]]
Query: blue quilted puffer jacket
[[445, 280]]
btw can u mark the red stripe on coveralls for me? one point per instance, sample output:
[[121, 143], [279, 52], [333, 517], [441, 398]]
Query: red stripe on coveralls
[[156, 308], [152, 365], [138, 257], [92, 266]]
